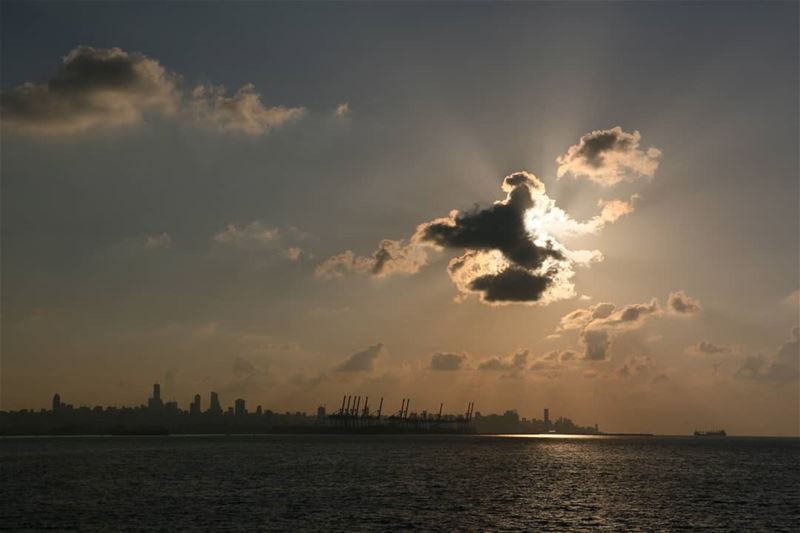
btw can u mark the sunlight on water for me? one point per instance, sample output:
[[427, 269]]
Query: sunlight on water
[[551, 436]]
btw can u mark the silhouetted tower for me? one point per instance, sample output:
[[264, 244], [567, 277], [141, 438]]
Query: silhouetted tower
[[195, 409], [155, 402], [441, 405], [546, 419], [56, 402], [380, 407], [320, 412], [239, 409], [214, 406]]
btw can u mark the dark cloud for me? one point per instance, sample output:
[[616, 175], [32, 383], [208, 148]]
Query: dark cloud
[[499, 227], [681, 303], [511, 285], [509, 250], [784, 366], [102, 87], [92, 87], [608, 157], [363, 361], [448, 361]]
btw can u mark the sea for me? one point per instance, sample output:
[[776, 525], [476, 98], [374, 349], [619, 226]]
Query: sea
[[399, 483]]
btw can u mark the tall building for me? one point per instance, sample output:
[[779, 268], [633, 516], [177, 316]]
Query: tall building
[[214, 406], [194, 408], [155, 402], [240, 409], [320, 412], [57, 403], [546, 419]]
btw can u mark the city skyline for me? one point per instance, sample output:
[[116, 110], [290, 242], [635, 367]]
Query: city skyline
[[592, 207]]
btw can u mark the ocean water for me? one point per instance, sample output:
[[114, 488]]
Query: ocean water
[[369, 483]]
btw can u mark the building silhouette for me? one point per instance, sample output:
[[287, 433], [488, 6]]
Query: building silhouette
[[160, 418], [155, 402], [195, 407], [214, 407]]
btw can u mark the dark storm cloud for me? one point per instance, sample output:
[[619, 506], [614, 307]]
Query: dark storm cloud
[[783, 366], [448, 361], [608, 157], [95, 87], [363, 361]]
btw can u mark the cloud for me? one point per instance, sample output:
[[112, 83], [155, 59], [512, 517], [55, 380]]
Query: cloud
[[342, 110], [661, 378], [580, 318], [608, 157], [681, 303], [596, 343], [243, 112], [92, 87], [793, 299], [255, 237], [512, 363], [249, 236], [509, 250], [248, 379], [599, 323], [783, 366], [391, 257], [551, 362], [707, 348], [109, 87], [448, 361], [363, 361], [157, 240], [635, 366]]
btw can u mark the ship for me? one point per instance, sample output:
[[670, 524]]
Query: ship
[[712, 433]]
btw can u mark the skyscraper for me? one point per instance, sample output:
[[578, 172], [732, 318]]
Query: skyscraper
[[56, 403], [155, 402], [546, 419], [240, 409], [214, 406], [194, 408]]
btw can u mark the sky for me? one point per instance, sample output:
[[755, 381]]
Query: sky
[[590, 207]]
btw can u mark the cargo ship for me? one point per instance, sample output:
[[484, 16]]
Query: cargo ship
[[714, 433]]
